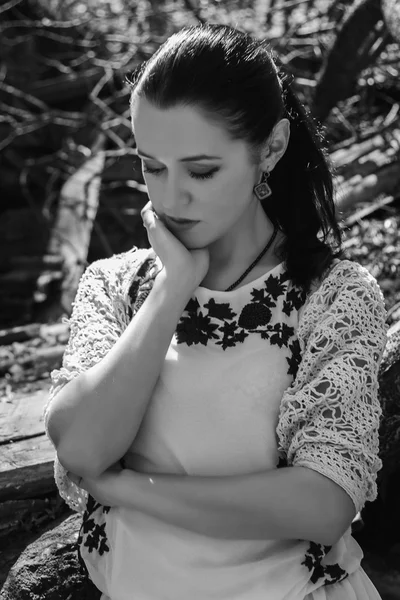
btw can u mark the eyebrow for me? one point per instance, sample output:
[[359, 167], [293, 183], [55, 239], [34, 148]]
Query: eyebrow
[[186, 159]]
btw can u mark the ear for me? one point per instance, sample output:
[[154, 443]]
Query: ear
[[276, 145]]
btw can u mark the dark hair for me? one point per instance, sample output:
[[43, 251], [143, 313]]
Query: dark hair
[[233, 79]]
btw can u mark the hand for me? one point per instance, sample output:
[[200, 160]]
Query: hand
[[105, 488], [180, 264]]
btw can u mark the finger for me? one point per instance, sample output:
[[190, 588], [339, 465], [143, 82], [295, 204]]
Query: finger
[[147, 207], [148, 219]]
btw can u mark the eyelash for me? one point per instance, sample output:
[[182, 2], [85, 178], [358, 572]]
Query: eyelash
[[191, 174]]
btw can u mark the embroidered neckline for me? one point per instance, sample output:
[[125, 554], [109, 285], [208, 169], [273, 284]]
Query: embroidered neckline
[[204, 291], [215, 320]]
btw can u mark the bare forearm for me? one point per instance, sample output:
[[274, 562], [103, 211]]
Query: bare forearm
[[103, 407], [290, 503]]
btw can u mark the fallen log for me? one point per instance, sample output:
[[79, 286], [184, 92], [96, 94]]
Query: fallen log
[[366, 211], [368, 188], [349, 55], [22, 419], [382, 145], [19, 334], [43, 331], [42, 360], [71, 232], [27, 469]]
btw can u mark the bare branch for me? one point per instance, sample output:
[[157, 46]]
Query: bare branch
[[10, 4]]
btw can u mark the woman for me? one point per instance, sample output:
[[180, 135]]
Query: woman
[[216, 412]]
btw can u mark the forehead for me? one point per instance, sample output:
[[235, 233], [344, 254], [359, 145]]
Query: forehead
[[179, 131]]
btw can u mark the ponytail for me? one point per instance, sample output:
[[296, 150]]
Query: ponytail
[[302, 203]]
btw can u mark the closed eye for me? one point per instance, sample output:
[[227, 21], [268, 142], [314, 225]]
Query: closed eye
[[207, 175]]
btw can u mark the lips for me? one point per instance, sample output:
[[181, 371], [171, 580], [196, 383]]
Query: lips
[[180, 221]]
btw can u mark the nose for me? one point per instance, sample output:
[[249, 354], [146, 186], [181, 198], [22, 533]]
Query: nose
[[175, 198]]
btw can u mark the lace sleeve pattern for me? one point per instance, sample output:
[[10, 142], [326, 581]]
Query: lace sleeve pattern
[[329, 417], [101, 312]]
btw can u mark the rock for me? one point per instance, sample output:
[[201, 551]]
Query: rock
[[49, 569], [381, 518]]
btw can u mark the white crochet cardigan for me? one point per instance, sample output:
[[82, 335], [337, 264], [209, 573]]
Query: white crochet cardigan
[[329, 416]]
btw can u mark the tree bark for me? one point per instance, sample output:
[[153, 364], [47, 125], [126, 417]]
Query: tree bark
[[349, 55]]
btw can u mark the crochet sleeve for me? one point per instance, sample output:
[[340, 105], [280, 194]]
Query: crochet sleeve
[[98, 318], [329, 417]]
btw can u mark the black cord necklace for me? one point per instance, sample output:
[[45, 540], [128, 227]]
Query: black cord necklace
[[253, 264]]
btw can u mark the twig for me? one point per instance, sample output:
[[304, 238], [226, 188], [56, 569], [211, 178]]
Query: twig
[[285, 5], [101, 83], [25, 96], [30, 23], [52, 62], [10, 4], [122, 152], [366, 211], [339, 114], [391, 116], [114, 137]]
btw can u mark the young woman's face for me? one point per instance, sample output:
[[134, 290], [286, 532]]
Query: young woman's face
[[193, 170]]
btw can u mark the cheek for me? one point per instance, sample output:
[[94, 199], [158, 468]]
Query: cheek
[[154, 189], [232, 195]]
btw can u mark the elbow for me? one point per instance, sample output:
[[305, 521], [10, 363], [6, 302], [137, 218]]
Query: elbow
[[333, 509], [334, 528], [340, 527], [80, 464]]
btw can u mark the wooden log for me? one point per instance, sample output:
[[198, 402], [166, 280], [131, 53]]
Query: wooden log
[[368, 188], [42, 360], [27, 454], [19, 334], [349, 55], [384, 143], [366, 211], [27, 469], [23, 333], [22, 417], [71, 233]]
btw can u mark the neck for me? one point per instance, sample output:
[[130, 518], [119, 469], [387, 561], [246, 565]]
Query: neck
[[232, 254]]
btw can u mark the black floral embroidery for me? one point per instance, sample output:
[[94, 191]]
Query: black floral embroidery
[[328, 573], [294, 359], [92, 533], [217, 321]]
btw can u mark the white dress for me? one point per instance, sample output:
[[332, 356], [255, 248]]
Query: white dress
[[215, 411]]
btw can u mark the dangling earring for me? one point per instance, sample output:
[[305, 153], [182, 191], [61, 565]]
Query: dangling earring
[[262, 190]]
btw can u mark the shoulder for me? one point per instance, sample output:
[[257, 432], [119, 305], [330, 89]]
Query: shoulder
[[345, 277], [345, 287]]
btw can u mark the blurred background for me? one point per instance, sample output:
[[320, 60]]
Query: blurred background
[[71, 188]]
